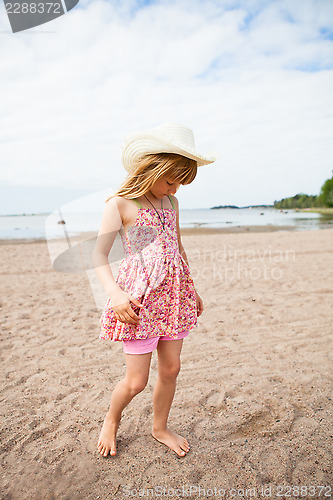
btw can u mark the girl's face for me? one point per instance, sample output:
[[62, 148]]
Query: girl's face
[[164, 186]]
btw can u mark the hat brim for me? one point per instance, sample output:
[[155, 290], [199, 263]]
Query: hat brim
[[141, 145]]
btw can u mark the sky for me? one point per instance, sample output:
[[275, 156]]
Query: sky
[[252, 78]]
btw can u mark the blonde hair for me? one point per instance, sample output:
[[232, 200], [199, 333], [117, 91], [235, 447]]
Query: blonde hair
[[150, 168]]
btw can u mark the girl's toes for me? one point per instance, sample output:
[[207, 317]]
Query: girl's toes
[[185, 446]]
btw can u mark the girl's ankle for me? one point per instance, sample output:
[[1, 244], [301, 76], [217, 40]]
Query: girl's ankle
[[159, 428], [109, 416]]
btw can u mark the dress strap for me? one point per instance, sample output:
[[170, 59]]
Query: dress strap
[[173, 206], [137, 202]]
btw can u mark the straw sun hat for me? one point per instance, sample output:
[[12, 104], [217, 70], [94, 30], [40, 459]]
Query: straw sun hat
[[166, 138]]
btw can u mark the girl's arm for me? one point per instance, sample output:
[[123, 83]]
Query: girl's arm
[[110, 226], [183, 254]]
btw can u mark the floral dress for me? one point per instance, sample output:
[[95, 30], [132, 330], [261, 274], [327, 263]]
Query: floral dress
[[154, 272]]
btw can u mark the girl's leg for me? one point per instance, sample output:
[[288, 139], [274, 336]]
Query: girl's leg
[[135, 380], [168, 369]]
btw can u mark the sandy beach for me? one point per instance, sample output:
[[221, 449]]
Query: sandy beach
[[254, 395]]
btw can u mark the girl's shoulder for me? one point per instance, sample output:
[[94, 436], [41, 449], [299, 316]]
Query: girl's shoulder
[[119, 201], [127, 209]]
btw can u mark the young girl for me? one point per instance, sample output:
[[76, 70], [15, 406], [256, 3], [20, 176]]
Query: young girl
[[153, 303]]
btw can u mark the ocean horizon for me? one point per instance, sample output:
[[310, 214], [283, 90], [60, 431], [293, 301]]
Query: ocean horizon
[[46, 225]]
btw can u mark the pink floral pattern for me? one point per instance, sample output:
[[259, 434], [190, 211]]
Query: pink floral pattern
[[154, 272]]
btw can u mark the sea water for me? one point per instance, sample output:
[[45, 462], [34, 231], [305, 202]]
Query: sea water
[[46, 226]]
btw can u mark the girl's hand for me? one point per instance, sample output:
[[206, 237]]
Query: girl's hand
[[199, 304], [121, 305]]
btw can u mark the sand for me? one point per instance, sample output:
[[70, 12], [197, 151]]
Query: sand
[[254, 395]]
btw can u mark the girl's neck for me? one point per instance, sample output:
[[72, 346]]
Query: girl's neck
[[153, 201], [150, 194], [152, 197]]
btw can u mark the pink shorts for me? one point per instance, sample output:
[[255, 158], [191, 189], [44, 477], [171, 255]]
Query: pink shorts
[[143, 346]]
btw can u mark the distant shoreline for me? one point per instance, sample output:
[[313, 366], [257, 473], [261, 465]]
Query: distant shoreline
[[219, 207], [319, 210], [38, 227], [323, 210], [25, 215], [208, 208]]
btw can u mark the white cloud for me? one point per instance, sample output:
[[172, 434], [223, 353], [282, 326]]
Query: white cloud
[[233, 71]]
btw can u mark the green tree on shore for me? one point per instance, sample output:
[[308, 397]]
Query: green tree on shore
[[325, 198], [298, 201], [326, 193]]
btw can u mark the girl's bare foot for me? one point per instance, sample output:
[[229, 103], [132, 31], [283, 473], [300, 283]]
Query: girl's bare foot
[[107, 438], [172, 440]]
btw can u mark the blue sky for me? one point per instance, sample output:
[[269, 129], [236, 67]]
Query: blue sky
[[252, 78]]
